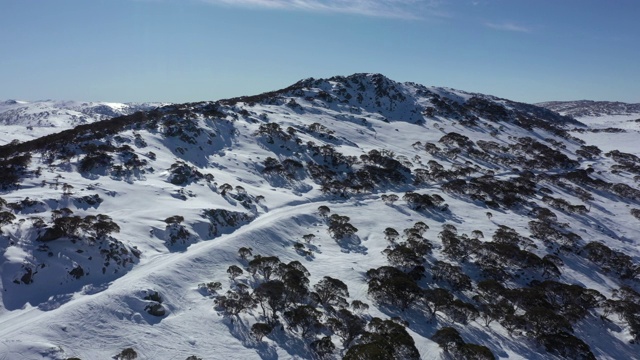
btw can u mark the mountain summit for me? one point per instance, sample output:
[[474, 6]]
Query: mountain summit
[[376, 93], [351, 217]]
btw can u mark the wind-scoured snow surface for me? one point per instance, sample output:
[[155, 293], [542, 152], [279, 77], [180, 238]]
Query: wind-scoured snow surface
[[253, 171], [48, 116]]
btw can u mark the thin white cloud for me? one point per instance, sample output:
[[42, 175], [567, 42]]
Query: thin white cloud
[[405, 9], [508, 26]]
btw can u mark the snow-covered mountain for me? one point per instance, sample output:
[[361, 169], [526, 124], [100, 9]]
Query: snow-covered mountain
[[352, 217]]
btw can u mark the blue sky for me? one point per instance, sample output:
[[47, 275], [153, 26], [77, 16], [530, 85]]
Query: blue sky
[[191, 50]]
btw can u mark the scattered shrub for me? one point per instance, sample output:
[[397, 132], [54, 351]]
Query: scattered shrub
[[127, 354]]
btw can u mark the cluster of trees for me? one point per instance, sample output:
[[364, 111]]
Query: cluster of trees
[[273, 131], [545, 310], [100, 158], [384, 159], [436, 172], [494, 192], [564, 205], [451, 342], [181, 173], [502, 258], [487, 109], [283, 296], [91, 227], [96, 157], [582, 177], [240, 195], [541, 156], [127, 354], [625, 302], [12, 169], [343, 89], [625, 191], [492, 147], [175, 231], [328, 155], [321, 130], [525, 152], [398, 285], [339, 175], [419, 202], [589, 152], [579, 177], [624, 162], [445, 107], [131, 163], [384, 339], [610, 260], [221, 218], [339, 226], [408, 254], [623, 158], [455, 139], [289, 168], [6, 217], [88, 233], [182, 125], [557, 128], [26, 205], [555, 235], [469, 113]]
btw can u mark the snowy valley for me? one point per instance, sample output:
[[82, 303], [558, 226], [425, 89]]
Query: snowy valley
[[352, 217]]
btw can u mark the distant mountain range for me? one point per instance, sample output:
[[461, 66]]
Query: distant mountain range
[[64, 114], [589, 108], [67, 114], [353, 217]]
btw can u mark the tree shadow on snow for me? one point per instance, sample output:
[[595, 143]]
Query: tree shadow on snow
[[242, 332], [499, 343], [352, 243], [418, 321], [55, 302], [292, 344], [608, 345], [587, 269]]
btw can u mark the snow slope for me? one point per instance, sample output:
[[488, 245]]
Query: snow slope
[[186, 159]]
